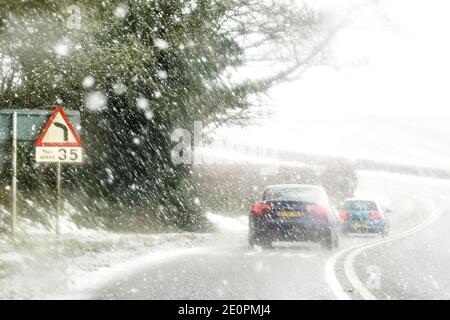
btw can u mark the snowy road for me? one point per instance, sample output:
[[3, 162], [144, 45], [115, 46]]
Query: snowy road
[[412, 262]]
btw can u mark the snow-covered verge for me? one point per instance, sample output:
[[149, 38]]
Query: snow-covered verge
[[51, 267], [72, 265], [228, 224]]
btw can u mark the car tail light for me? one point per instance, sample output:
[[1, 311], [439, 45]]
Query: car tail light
[[260, 208], [317, 210], [375, 214], [344, 214]]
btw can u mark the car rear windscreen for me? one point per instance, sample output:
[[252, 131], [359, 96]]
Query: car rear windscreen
[[360, 205], [295, 194]]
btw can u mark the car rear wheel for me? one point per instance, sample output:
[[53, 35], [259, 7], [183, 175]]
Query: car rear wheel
[[259, 241], [336, 241], [385, 231], [265, 244], [329, 240], [251, 242]]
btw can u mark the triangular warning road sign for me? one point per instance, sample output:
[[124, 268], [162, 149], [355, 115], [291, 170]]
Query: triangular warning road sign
[[58, 131]]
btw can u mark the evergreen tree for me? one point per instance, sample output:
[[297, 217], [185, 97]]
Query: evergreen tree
[[139, 69]]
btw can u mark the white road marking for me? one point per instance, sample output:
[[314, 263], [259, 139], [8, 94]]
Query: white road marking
[[349, 261], [330, 274], [355, 250]]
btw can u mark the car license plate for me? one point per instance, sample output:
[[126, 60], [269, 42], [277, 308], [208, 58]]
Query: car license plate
[[360, 226], [290, 214]]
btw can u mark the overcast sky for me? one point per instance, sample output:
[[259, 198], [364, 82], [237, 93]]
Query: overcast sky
[[385, 97]]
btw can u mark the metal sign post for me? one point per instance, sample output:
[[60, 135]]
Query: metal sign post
[[23, 126], [14, 174], [59, 203], [58, 143]]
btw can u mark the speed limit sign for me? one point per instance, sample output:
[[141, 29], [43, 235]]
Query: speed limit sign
[[58, 154], [58, 141]]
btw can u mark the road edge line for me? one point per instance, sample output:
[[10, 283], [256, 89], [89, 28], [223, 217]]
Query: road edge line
[[331, 278], [349, 269]]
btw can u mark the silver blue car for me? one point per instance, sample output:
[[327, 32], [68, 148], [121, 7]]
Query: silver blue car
[[364, 216]]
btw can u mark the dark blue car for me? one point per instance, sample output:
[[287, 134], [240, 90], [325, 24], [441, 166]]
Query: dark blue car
[[364, 216], [293, 212]]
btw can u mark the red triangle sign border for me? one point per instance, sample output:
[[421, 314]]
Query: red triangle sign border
[[40, 143]]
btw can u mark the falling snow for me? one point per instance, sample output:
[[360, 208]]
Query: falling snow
[[95, 101], [61, 49], [121, 11], [119, 88], [88, 82], [142, 103], [161, 44], [187, 112]]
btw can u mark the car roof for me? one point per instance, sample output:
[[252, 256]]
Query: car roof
[[291, 185], [318, 192], [361, 199]]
